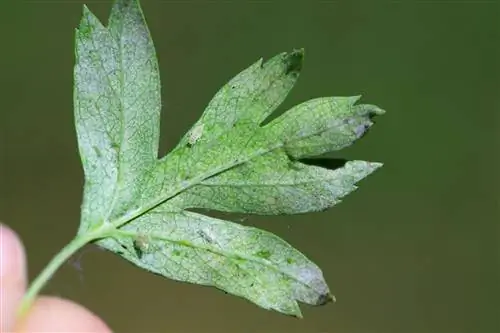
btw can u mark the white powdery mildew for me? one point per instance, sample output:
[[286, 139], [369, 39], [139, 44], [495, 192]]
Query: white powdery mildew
[[230, 163]]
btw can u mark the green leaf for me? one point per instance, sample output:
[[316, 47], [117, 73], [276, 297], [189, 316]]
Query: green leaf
[[243, 261], [136, 205], [117, 109], [275, 185], [251, 96]]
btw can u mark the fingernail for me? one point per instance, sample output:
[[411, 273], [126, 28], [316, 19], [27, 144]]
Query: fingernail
[[11, 254]]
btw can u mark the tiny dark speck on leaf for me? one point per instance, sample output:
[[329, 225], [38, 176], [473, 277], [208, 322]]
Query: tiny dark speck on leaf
[[138, 249], [325, 299], [360, 130]]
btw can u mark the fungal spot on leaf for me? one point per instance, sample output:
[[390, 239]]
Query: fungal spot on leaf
[[140, 245], [325, 299], [290, 260], [205, 236], [265, 254], [195, 134], [360, 130], [138, 250]]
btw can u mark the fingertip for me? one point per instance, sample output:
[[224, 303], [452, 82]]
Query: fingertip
[[53, 314], [12, 276], [12, 257]]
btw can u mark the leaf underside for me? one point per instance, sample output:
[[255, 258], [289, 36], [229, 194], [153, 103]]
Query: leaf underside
[[229, 161]]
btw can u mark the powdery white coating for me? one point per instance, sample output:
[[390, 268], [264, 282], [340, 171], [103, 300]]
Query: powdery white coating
[[228, 161]]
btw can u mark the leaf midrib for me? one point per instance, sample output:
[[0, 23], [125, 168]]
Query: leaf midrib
[[197, 180], [231, 255], [120, 96]]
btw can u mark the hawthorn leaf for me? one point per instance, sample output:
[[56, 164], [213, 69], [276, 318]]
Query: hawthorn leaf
[[136, 204], [117, 109], [275, 182], [244, 261]]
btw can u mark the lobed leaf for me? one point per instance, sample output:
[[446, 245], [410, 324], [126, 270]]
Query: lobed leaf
[[135, 204], [243, 261], [117, 108]]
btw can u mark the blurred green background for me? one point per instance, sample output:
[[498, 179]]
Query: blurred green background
[[416, 249]]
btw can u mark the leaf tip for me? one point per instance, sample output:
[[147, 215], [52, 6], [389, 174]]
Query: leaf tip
[[376, 165], [371, 110], [325, 299], [85, 12], [297, 313], [294, 61], [376, 111], [88, 22]]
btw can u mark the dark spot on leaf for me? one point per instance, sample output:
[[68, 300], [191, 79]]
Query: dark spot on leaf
[[176, 252], [290, 260], [360, 130], [138, 249], [265, 254], [293, 61], [205, 237], [325, 299]]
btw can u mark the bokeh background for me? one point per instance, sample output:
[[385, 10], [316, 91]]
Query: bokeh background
[[415, 249]]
